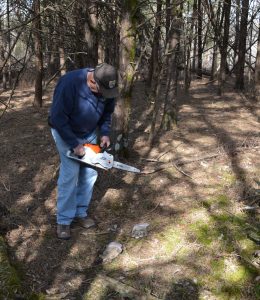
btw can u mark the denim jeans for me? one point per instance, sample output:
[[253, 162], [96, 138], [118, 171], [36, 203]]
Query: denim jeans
[[75, 182]]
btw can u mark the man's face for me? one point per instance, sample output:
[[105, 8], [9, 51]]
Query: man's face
[[92, 84]]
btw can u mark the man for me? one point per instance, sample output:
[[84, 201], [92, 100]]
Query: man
[[83, 103]]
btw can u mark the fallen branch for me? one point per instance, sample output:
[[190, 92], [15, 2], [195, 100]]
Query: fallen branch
[[8, 189], [181, 163], [124, 289], [182, 172]]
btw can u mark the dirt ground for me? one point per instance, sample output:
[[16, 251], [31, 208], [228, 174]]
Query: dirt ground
[[200, 195]]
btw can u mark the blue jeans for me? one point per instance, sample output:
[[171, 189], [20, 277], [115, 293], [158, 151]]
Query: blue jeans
[[75, 183]]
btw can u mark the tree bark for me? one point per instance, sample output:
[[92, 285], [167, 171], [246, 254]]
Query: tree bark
[[195, 41], [224, 46], [242, 46], [257, 70], [200, 46], [170, 68], [154, 64], [38, 54], [126, 71], [237, 33], [86, 34], [169, 119], [9, 44]]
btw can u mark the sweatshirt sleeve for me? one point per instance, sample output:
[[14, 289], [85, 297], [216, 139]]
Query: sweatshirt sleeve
[[105, 121], [62, 106]]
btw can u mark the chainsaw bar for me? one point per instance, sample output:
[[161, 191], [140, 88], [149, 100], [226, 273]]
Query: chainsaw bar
[[125, 167], [101, 160]]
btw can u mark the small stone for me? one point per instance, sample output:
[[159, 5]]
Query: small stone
[[112, 250], [257, 279], [113, 228], [52, 291], [204, 164], [140, 230], [221, 237]]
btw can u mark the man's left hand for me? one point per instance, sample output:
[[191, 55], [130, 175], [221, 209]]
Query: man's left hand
[[105, 141]]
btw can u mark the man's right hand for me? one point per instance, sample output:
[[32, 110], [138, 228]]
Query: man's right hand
[[79, 150]]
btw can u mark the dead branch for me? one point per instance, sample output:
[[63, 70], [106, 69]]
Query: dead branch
[[54, 76], [10, 51], [17, 79], [124, 289], [182, 172], [181, 163], [8, 189]]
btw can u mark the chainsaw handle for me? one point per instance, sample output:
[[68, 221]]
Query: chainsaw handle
[[79, 156], [97, 149], [107, 149]]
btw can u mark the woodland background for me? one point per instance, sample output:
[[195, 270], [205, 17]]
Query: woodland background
[[166, 42], [188, 113]]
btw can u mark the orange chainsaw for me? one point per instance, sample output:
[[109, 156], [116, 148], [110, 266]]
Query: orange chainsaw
[[96, 156]]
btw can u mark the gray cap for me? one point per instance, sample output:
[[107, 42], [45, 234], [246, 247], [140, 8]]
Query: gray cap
[[106, 77]]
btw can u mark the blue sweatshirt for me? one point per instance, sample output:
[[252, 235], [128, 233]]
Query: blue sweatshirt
[[76, 111]]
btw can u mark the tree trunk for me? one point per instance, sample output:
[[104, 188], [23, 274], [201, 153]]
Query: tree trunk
[[224, 46], [52, 43], [38, 54], [80, 45], [237, 32], [257, 70], [170, 67], [169, 119], [200, 46], [242, 46], [153, 71], [9, 44], [126, 71], [250, 53], [188, 64], [214, 62], [168, 16], [86, 34], [2, 55], [61, 47]]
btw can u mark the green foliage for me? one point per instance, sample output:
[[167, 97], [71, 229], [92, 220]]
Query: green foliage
[[10, 283], [170, 239], [37, 297], [205, 233]]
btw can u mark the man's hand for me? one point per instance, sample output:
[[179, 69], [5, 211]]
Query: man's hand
[[105, 141], [79, 150]]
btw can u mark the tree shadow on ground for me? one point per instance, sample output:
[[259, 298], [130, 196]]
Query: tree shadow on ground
[[119, 199]]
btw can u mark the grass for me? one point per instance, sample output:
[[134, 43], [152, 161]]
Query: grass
[[10, 283]]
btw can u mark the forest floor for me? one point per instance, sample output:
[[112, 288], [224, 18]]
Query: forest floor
[[200, 195]]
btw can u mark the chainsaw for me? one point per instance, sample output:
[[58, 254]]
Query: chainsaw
[[96, 156]]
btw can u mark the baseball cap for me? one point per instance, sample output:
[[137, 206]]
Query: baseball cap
[[106, 77]]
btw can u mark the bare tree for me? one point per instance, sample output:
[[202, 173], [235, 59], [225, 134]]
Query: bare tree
[[224, 45], [153, 71], [242, 46], [38, 53], [126, 71], [257, 70], [200, 45]]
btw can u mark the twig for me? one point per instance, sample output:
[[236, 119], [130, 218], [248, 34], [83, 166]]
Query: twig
[[175, 166], [17, 77], [8, 189], [86, 233], [151, 160], [152, 210], [124, 289], [172, 164], [160, 156], [156, 170]]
